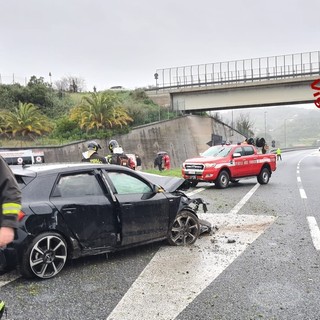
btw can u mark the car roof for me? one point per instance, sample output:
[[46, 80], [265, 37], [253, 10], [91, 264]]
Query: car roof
[[45, 168], [170, 184]]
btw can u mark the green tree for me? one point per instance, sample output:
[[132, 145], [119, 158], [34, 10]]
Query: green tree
[[100, 111], [26, 121], [245, 125], [10, 95]]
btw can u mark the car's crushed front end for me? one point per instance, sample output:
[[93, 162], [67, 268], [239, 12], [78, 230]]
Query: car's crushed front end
[[178, 186]]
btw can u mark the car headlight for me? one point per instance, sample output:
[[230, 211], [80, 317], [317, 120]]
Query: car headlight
[[210, 165]]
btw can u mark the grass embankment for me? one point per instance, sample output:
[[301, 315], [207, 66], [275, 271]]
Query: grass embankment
[[176, 172]]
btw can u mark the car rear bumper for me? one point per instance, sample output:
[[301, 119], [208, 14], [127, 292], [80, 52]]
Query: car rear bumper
[[9, 255], [8, 258]]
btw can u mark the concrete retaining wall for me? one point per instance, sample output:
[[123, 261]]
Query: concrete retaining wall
[[182, 138]]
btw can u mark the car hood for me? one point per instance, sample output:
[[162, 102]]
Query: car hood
[[202, 159], [169, 184]]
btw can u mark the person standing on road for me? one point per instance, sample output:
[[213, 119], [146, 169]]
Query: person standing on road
[[158, 162], [10, 201], [166, 160], [279, 154]]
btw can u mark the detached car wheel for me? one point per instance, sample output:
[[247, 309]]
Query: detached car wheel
[[264, 176], [185, 229], [222, 180], [45, 257]]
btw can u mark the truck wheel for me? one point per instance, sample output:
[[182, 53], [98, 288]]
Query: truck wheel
[[193, 183], [264, 176], [222, 180]]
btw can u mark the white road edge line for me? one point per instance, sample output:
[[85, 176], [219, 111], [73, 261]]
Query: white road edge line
[[243, 201], [8, 277], [315, 232], [195, 192]]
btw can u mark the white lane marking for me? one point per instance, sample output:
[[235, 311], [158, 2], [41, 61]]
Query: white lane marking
[[8, 277], [315, 232], [195, 192], [177, 275], [302, 193], [243, 201]]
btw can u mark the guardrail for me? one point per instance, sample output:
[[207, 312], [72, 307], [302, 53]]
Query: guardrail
[[274, 150], [247, 70]]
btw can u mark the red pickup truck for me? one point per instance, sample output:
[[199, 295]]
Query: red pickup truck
[[229, 163]]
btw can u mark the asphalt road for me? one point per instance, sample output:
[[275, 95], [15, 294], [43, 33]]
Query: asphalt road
[[261, 263]]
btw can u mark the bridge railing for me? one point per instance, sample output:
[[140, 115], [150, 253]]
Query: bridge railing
[[247, 70]]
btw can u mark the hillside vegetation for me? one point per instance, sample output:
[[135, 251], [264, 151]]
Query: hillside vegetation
[[38, 114]]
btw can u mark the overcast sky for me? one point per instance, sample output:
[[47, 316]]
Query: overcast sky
[[123, 42]]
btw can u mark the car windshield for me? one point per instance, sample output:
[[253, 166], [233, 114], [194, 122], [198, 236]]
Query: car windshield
[[217, 151]]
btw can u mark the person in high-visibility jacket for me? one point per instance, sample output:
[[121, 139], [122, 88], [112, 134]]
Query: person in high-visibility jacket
[[10, 205], [279, 154], [10, 202]]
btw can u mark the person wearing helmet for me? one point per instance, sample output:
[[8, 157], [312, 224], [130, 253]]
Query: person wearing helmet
[[117, 155], [113, 144], [91, 155]]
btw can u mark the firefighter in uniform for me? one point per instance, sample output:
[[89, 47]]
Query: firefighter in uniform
[[117, 156], [10, 201], [92, 154]]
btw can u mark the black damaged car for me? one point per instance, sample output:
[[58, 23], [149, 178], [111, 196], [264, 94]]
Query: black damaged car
[[74, 210]]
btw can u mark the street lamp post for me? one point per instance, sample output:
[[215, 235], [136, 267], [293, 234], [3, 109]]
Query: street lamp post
[[285, 133], [265, 125]]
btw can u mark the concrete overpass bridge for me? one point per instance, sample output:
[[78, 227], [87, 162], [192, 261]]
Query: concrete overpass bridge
[[268, 81]]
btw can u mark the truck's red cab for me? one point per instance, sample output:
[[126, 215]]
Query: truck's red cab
[[225, 163]]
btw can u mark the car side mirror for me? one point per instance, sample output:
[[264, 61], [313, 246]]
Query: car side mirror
[[157, 189], [236, 155]]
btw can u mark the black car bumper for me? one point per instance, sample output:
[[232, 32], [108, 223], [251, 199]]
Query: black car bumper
[[8, 258], [9, 255]]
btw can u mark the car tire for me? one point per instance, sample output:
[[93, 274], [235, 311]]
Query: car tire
[[264, 176], [193, 183], [45, 256], [185, 229], [223, 179]]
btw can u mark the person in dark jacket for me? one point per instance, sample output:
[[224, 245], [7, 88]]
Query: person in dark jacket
[[10, 201], [158, 162], [92, 154]]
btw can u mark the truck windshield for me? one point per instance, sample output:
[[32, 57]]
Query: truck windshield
[[217, 151]]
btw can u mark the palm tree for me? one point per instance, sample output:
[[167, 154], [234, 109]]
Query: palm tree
[[26, 121], [100, 111]]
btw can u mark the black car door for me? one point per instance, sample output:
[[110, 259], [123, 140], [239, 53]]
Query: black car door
[[86, 209], [144, 214]]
